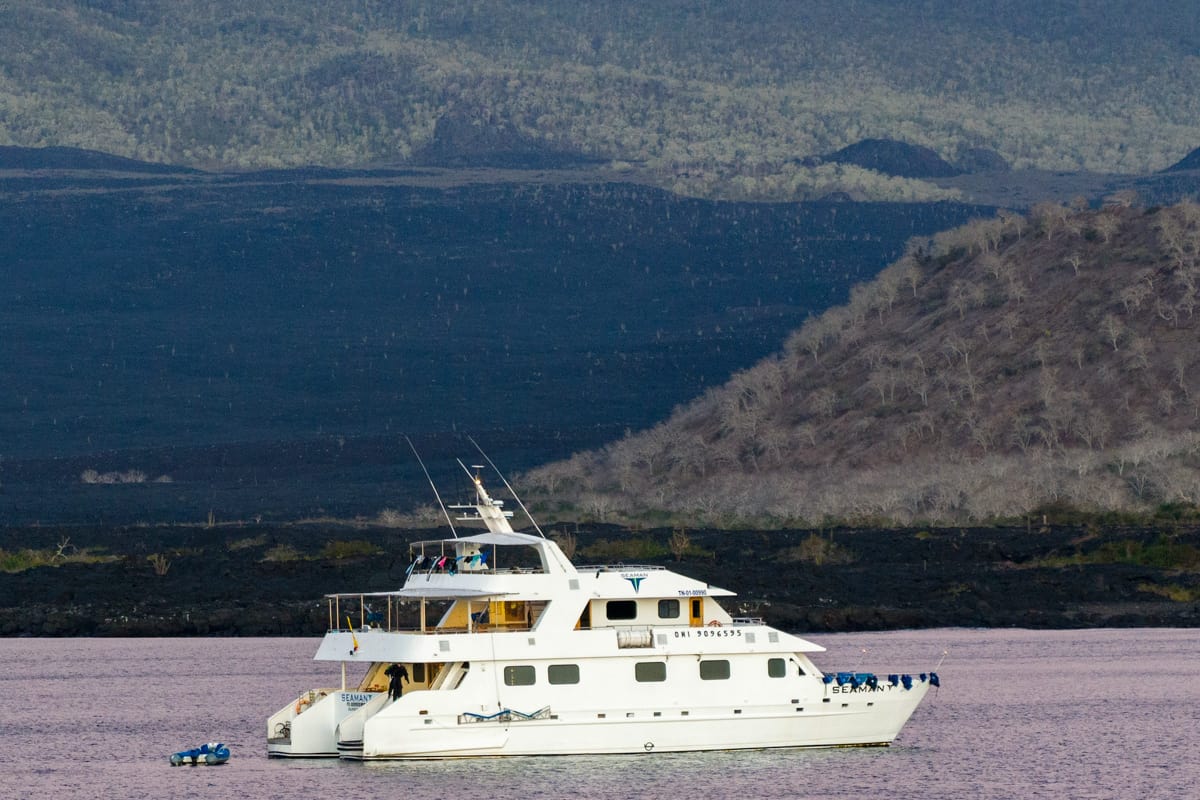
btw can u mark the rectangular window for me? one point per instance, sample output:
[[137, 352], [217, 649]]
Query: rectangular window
[[418, 673], [776, 668], [519, 676], [668, 609], [650, 671], [621, 609], [714, 670], [563, 673]]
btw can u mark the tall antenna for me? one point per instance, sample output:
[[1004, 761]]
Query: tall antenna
[[507, 486], [442, 505]]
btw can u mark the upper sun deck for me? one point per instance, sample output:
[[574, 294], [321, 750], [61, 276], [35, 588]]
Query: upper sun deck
[[492, 565], [488, 553]]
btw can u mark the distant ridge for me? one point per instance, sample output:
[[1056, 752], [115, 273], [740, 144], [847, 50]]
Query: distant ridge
[[890, 157], [982, 159], [707, 100], [476, 138], [76, 158], [1190, 161]]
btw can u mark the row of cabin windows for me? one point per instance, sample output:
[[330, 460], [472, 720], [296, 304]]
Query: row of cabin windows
[[643, 672], [525, 675], [627, 609]]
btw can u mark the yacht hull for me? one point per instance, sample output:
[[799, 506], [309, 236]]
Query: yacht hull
[[861, 722]]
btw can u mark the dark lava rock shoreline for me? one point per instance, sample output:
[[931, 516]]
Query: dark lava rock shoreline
[[256, 580]]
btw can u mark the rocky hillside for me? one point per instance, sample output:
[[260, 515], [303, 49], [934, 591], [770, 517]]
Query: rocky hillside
[[1010, 364]]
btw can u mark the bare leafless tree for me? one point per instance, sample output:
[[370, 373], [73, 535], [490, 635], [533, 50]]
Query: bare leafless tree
[[1139, 353], [1112, 329], [912, 275], [1107, 225], [822, 401]]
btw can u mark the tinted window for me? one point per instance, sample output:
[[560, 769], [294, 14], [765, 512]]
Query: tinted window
[[519, 676], [621, 609], [563, 673], [714, 670], [650, 671], [668, 609], [776, 668]]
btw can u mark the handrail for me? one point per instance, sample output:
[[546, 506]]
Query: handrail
[[617, 567], [476, 628]]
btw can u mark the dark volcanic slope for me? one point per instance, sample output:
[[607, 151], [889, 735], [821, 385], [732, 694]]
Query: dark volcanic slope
[[895, 158], [251, 580], [1190, 161], [74, 158], [264, 340]]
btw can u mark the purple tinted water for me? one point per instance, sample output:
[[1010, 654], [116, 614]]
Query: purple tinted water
[[1054, 714]]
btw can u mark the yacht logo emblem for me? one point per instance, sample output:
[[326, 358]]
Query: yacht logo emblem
[[636, 582]]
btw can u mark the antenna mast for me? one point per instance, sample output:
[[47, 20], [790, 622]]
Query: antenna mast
[[442, 505], [507, 486]]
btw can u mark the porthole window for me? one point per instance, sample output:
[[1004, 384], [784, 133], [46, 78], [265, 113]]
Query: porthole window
[[621, 609], [650, 671], [519, 676], [563, 673]]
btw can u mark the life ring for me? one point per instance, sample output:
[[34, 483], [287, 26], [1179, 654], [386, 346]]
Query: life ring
[[716, 623]]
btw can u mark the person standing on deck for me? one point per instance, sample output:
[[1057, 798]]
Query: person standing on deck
[[395, 673]]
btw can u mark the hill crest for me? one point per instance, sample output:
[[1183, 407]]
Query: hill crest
[[899, 159], [999, 367]]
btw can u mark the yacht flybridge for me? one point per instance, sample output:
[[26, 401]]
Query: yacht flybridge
[[518, 652]]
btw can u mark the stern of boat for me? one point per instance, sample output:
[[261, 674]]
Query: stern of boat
[[307, 726]]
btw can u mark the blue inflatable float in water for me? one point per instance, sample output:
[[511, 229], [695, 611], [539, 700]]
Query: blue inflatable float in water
[[209, 754]]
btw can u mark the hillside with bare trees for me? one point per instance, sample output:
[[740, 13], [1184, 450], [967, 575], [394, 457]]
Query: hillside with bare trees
[[1011, 364]]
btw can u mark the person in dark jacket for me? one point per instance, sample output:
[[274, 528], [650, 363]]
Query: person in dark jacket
[[395, 673]]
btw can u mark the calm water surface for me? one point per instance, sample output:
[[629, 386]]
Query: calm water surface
[[1054, 714]]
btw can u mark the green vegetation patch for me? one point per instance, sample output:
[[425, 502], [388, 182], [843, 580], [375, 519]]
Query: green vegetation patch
[[618, 550], [247, 543], [1165, 552], [27, 558], [1172, 591], [818, 551], [337, 549], [282, 553]]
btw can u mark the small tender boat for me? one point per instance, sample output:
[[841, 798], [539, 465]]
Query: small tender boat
[[209, 754]]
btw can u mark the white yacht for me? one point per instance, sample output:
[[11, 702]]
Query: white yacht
[[519, 652]]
